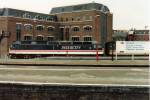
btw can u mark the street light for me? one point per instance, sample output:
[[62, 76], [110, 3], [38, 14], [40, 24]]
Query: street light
[[97, 36], [112, 51]]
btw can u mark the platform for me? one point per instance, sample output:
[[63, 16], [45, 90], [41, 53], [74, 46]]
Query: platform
[[136, 76], [75, 62]]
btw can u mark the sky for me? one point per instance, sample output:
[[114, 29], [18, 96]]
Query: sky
[[127, 14]]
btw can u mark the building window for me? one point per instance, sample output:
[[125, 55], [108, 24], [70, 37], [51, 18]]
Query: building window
[[40, 38], [87, 17], [18, 26], [78, 18], [18, 31], [90, 17], [49, 19], [61, 19], [50, 28], [28, 27], [72, 19], [62, 9], [66, 19], [27, 38], [40, 27], [26, 15], [87, 28], [75, 29], [50, 38], [38, 17], [75, 38], [88, 38]]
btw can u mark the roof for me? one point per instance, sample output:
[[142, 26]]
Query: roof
[[80, 7], [22, 13], [141, 31], [120, 34]]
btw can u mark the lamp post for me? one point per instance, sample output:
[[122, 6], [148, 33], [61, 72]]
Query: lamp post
[[97, 36], [112, 51], [1, 37]]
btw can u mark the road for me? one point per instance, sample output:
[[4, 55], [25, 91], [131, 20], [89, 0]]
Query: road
[[75, 75]]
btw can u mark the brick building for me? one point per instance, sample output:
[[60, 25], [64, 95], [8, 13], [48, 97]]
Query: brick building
[[138, 35], [130, 35], [84, 22]]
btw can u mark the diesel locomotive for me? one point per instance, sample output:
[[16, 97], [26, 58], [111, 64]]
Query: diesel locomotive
[[34, 49]]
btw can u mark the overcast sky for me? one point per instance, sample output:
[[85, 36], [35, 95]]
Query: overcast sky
[[127, 14]]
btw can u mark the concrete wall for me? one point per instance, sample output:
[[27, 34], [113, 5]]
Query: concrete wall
[[55, 92]]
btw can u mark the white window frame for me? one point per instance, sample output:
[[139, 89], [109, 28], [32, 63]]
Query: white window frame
[[74, 27], [51, 26], [88, 36], [40, 36], [75, 37], [28, 35], [87, 26]]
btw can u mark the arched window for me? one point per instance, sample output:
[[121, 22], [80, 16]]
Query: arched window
[[76, 28], [50, 28], [28, 27], [72, 19], [87, 28], [40, 27], [40, 38]]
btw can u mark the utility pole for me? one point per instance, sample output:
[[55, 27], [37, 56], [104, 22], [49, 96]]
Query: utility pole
[[97, 37], [112, 51]]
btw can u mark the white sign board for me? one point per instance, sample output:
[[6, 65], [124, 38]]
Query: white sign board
[[132, 47]]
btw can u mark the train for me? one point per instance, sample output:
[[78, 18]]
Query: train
[[35, 49]]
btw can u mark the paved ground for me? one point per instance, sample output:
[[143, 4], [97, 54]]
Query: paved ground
[[73, 62], [75, 75]]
